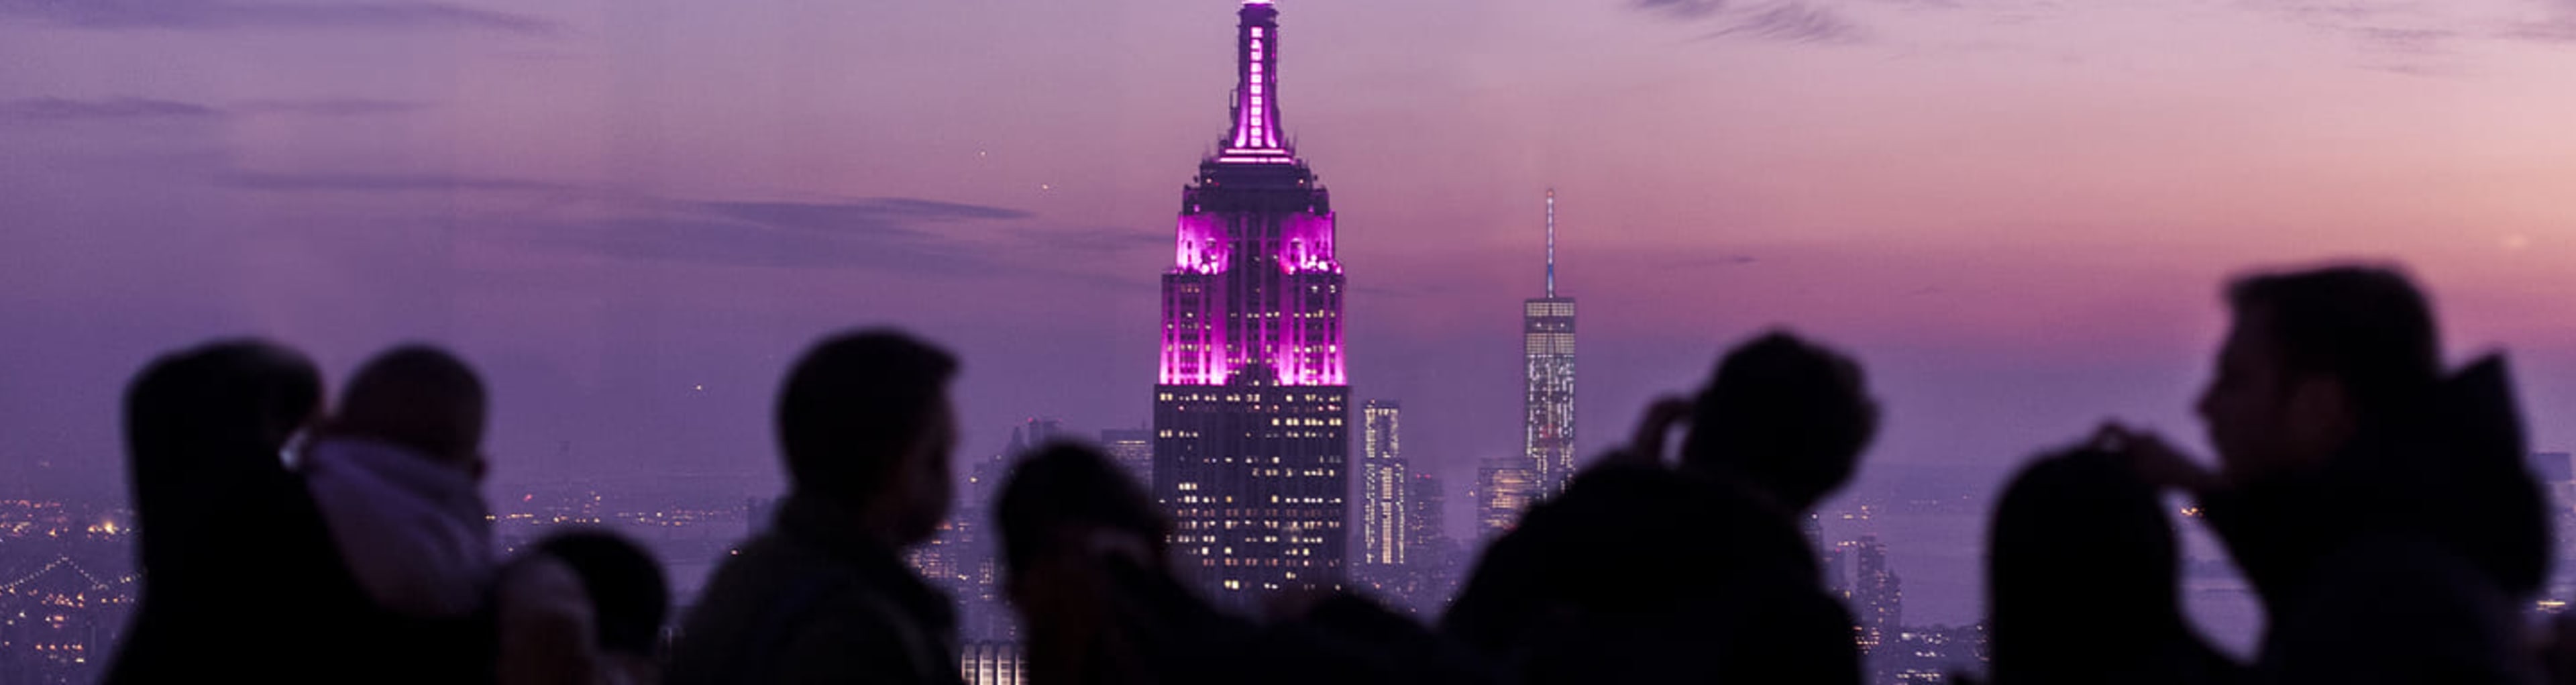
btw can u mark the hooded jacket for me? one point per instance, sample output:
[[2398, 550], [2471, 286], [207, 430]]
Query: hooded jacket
[[413, 531]]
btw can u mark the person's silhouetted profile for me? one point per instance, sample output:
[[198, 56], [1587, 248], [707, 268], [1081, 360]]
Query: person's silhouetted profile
[[2083, 582], [1087, 566], [1642, 572], [1083, 550], [865, 426], [2381, 509]]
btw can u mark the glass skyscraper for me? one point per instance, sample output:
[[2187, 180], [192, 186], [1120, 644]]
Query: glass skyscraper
[[1383, 488], [1547, 398]]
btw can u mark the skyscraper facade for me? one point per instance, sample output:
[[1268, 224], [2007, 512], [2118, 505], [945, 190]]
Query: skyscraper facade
[[1504, 486], [1547, 398], [1383, 488], [1878, 596], [1426, 530], [1037, 432], [974, 550], [991, 663], [1250, 447], [1431, 560], [1133, 450]]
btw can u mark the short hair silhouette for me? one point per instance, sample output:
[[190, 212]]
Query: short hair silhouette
[[2367, 326], [1070, 484], [204, 427], [2078, 540], [1787, 414], [853, 403], [419, 397], [234, 391], [628, 596]]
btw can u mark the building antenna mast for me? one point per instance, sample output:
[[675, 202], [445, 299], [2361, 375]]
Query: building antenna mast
[[1551, 242]]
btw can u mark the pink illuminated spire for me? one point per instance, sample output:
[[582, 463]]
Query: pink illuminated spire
[[1254, 294], [1256, 98]]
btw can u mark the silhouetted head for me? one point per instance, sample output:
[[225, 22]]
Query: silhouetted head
[[421, 398], [1785, 416], [2310, 358], [2079, 541], [628, 596], [865, 421], [1067, 494], [238, 402], [205, 426], [1071, 524]]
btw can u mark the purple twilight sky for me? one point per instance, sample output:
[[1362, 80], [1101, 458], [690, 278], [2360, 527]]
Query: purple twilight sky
[[632, 213]]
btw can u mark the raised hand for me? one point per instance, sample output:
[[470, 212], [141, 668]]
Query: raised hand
[[1646, 445], [2152, 459]]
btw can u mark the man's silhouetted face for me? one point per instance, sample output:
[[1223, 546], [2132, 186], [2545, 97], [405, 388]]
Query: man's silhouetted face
[[922, 476], [2263, 419]]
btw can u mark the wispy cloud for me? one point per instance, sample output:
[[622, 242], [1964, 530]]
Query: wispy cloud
[[1707, 261], [719, 242], [2413, 41], [893, 234], [1681, 9], [2418, 37], [1924, 4], [2335, 14], [376, 182], [870, 213], [333, 107], [256, 14], [62, 109], [2414, 69], [130, 107], [1096, 240], [2561, 31], [1794, 22], [899, 234]]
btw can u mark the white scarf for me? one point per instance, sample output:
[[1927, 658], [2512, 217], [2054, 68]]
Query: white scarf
[[414, 531]]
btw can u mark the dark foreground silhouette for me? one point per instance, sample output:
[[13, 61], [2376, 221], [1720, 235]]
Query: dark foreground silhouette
[[1647, 572], [2079, 540], [2379, 506], [2378, 503], [823, 595]]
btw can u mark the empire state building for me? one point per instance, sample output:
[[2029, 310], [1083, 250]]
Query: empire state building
[[1250, 447]]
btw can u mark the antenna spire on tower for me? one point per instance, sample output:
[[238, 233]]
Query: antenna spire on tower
[[1551, 242]]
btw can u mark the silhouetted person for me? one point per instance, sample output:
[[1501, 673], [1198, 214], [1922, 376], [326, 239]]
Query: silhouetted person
[[227, 536], [1087, 566], [397, 474], [2381, 510], [398, 471], [1083, 550], [866, 428], [1642, 572], [581, 608], [2083, 582]]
